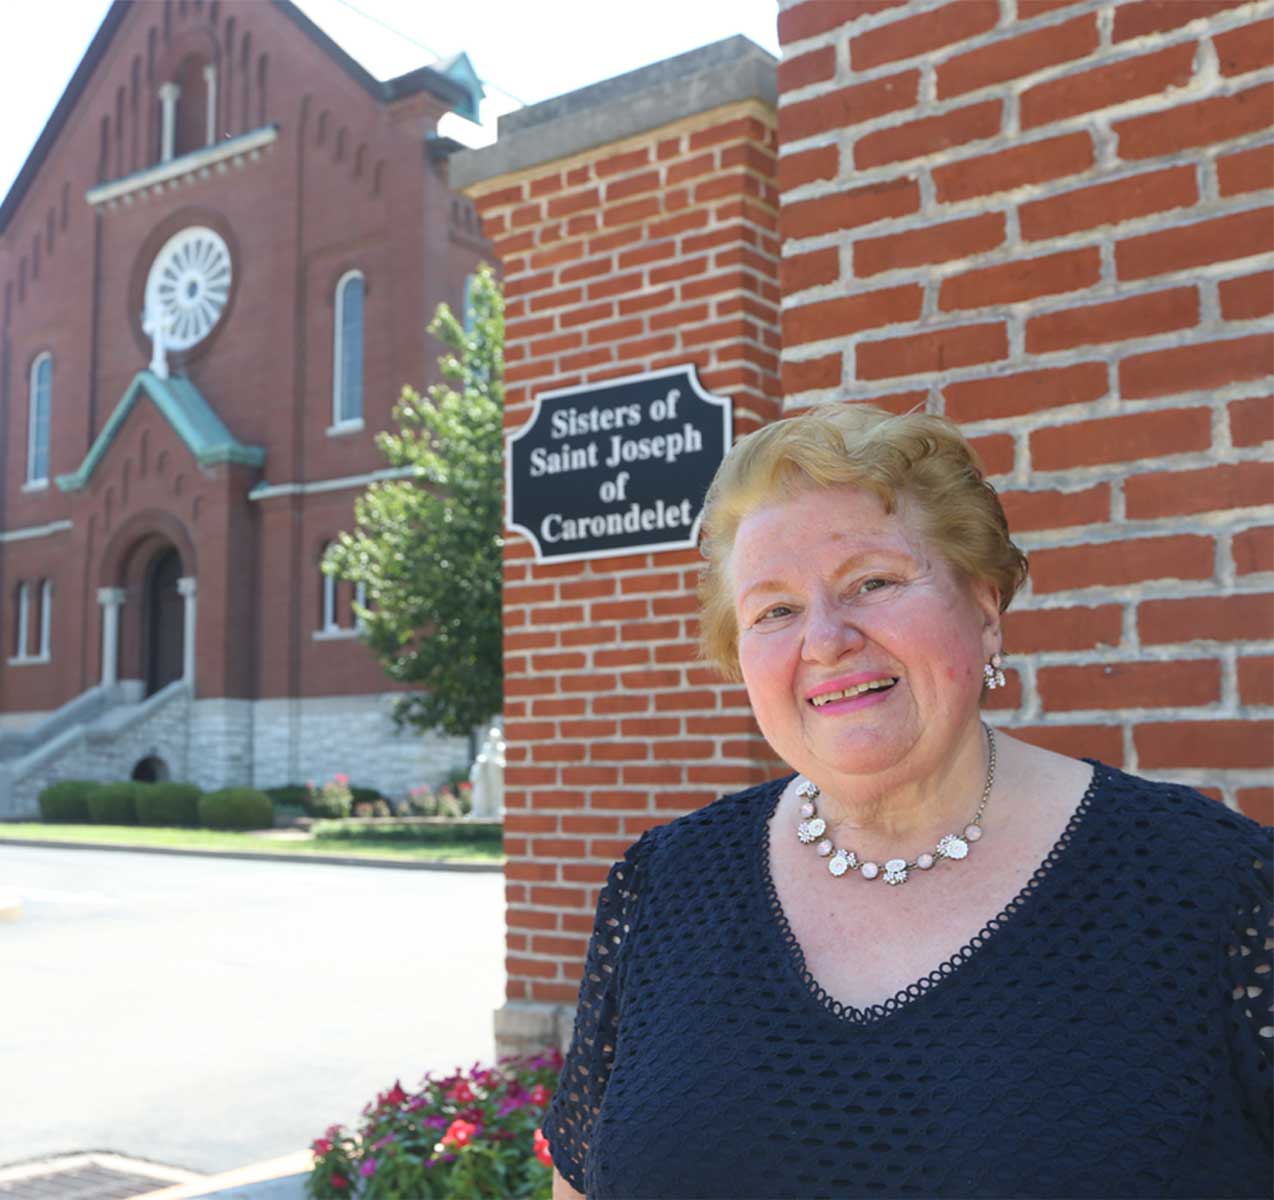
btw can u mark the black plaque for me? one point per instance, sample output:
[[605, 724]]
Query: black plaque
[[616, 467]]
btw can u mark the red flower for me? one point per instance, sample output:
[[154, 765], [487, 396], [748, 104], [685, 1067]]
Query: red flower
[[338, 1181], [541, 1146], [321, 1146], [395, 1096], [540, 1094], [462, 1093], [459, 1133]]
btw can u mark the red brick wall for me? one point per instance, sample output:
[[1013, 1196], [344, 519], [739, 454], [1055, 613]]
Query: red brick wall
[[654, 252], [1051, 222]]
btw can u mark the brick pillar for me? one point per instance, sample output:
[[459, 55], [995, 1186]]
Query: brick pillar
[[636, 226], [1051, 222]]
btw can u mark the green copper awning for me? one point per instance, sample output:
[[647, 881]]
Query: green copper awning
[[186, 411]]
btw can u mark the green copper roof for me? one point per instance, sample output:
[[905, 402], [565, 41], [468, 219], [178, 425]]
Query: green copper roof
[[187, 412]]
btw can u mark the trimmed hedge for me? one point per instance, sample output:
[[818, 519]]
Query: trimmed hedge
[[367, 795], [236, 808], [292, 794], [67, 800], [114, 803], [167, 803]]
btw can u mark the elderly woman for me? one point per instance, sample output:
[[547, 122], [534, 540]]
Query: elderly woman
[[935, 961]]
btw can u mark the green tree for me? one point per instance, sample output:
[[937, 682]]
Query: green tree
[[428, 547]]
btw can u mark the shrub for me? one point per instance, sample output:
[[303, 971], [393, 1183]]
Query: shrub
[[367, 794], [167, 803], [67, 800], [468, 1134], [236, 808], [333, 800], [477, 833], [293, 795], [114, 803]]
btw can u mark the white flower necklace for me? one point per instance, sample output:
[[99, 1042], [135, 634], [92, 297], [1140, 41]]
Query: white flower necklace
[[954, 846]]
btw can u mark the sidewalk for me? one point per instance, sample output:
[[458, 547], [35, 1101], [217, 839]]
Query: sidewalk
[[331, 860], [101, 1175]]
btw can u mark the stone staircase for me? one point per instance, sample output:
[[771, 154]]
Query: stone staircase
[[101, 734]]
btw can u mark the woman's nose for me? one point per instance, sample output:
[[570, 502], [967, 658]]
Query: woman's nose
[[830, 634]]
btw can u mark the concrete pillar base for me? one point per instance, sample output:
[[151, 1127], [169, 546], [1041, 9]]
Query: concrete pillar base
[[523, 1027]]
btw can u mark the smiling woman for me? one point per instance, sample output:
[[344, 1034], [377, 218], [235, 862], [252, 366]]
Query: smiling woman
[[934, 960]]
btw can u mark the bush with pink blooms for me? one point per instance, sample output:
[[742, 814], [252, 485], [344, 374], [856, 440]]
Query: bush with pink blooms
[[333, 799], [467, 1136]]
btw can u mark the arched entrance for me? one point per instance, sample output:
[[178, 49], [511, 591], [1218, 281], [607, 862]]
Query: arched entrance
[[163, 621]]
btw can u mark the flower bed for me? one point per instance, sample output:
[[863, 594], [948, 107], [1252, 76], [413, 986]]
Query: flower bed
[[469, 1136]]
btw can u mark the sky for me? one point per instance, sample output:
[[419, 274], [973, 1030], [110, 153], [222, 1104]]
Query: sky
[[524, 50]]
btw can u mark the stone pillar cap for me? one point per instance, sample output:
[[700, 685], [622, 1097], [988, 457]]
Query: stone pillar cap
[[626, 106]]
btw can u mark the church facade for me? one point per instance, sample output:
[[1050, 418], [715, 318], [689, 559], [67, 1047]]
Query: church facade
[[216, 269]]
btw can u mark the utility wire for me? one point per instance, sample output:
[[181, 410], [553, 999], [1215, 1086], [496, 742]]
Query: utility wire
[[421, 46]]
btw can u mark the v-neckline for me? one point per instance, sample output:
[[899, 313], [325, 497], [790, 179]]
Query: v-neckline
[[902, 999]]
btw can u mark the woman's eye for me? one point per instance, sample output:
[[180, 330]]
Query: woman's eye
[[873, 585], [774, 612]]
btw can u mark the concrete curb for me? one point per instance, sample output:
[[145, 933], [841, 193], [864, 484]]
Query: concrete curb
[[330, 860], [239, 1182]]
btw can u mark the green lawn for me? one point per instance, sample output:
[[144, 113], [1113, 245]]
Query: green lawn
[[369, 846]]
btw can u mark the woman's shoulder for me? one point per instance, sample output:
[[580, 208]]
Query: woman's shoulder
[[1166, 817], [717, 827]]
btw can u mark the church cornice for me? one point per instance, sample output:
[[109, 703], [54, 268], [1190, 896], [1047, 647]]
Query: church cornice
[[451, 93], [189, 168], [190, 415]]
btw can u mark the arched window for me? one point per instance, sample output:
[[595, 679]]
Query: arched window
[[360, 599], [20, 633], [347, 357], [467, 318], [46, 617], [38, 421], [329, 621]]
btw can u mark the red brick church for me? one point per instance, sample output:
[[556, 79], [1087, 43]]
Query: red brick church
[[216, 268]]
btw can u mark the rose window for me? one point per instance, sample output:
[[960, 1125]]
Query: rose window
[[188, 286]]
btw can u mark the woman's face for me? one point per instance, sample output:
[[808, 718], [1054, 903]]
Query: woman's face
[[861, 648]]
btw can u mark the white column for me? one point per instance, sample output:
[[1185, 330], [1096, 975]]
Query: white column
[[210, 100], [168, 93], [110, 599], [186, 586]]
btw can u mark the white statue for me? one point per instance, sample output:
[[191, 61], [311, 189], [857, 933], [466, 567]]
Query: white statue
[[487, 776], [156, 328]]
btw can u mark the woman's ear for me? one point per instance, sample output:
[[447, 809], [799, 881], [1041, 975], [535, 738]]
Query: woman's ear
[[987, 596]]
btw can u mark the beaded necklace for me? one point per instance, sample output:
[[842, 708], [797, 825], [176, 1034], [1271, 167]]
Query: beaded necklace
[[839, 861]]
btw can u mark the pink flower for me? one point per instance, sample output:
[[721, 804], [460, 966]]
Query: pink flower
[[340, 779], [368, 1169], [540, 1094], [321, 1146]]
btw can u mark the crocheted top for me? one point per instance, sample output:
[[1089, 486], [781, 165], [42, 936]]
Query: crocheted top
[[1107, 1035]]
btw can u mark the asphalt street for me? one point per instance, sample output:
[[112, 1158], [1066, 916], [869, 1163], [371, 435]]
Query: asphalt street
[[207, 1013]]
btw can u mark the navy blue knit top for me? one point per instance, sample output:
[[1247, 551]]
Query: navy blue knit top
[[1107, 1035]]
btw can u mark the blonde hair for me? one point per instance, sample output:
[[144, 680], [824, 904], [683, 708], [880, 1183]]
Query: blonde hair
[[921, 457]]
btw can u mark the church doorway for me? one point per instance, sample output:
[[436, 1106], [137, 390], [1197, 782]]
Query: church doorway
[[163, 621]]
